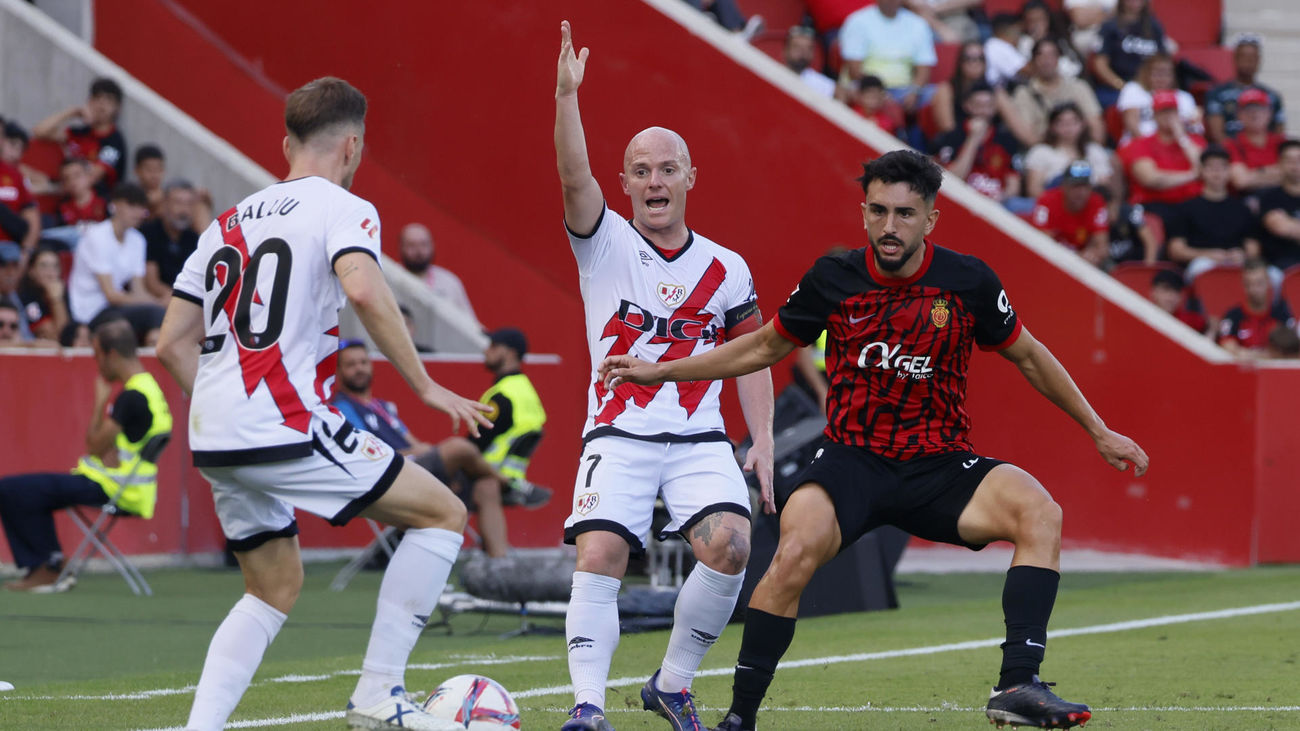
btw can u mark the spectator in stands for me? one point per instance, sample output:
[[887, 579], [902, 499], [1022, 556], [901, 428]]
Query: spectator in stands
[[109, 266], [11, 272], [1041, 23], [1254, 148], [891, 42], [946, 109], [727, 14], [1130, 237], [949, 20], [10, 324], [169, 238], [42, 294], [1167, 292], [1155, 74], [1212, 228], [1133, 35], [1279, 213], [80, 203], [873, 102], [1005, 61], [980, 154], [20, 220], [94, 135], [1067, 140], [1075, 215], [444, 460], [1047, 88], [13, 145], [1283, 342], [1221, 103], [113, 443], [75, 335], [1086, 18], [1245, 328], [1164, 167], [150, 171], [418, 253], [800, 53]]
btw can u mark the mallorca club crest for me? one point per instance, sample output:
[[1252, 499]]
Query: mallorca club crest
[[939, 312], [671, 294]]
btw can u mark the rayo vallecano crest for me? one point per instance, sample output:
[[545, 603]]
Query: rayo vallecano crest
[[671, 294]]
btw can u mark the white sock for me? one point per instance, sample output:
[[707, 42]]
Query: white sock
[[408, 594], [704, 605], [591, 627], [233, 656]]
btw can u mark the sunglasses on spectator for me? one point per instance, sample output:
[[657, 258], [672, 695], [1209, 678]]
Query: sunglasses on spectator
[[973, 58]]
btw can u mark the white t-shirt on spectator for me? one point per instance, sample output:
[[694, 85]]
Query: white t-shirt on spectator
[[1133, 96], [887, 47], [1107, 5], [1052, 162], [445, 284], [99, 252], [820, 83], [1003, 61]]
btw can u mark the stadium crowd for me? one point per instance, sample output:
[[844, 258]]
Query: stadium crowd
[[1160, 164]]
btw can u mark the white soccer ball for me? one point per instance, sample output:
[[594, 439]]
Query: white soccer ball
[[476, 702]]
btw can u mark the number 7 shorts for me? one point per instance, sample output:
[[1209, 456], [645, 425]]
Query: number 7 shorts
[[347, 470], [620, 478]]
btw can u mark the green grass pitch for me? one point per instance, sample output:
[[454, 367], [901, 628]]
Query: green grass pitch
[[100, 658]]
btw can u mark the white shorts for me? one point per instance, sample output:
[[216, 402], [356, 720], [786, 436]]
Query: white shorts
[[346, 472], [620, 478]]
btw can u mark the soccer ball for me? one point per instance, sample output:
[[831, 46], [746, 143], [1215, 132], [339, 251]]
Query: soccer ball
[[476, 702]]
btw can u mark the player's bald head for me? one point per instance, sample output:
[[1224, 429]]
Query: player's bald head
[[652, 140]]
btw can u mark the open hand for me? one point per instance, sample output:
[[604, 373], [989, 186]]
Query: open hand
[[458, 408], [1118, 451], [572, 67], [618, 369]]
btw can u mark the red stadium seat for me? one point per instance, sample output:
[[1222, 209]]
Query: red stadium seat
[[1114, 119], [778, 15], [947, 61], [1156, 225], [1197, 23], [772, 46], [835, 60], [45, 156], [1137, 275], [1219, 289], [1214, 60], [1291, 287]]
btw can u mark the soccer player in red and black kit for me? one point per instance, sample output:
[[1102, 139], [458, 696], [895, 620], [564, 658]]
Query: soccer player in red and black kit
[[901, 316]]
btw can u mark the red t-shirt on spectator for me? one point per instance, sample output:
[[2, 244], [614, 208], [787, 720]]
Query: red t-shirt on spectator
[[888, 119], [14, 192], [70, 213], [105, 150], [1254, 157], [1168, 157], [1249, 328], [1073, 229], [830, 14]]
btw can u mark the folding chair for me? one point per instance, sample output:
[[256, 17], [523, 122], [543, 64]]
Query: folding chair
[[383, 542], [96, 531]]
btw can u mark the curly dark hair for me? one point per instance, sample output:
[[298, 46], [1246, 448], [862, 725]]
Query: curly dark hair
[[920, 173]]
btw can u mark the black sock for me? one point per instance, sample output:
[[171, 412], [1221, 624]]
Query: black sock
[[765, 640], [1027, 600]]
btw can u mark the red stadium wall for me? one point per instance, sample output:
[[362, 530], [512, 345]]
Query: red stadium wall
[[459, 134]]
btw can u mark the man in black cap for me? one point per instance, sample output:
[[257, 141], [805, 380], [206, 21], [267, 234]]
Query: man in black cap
[[517, 418]]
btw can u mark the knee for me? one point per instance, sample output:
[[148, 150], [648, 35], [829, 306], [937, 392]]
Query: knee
[[1042, 520], [796, 559], [281, 592], [606, 559], [452, 516], [728, 550], [487, 493]]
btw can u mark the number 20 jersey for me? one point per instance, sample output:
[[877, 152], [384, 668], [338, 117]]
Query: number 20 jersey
[[657, 307], [264, 274]]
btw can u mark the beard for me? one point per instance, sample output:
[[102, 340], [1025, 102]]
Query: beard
[[894, 265], [417, 266], [359, 383]]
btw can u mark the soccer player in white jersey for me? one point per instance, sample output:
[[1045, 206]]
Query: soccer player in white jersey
[[251, 333], [653, 287]]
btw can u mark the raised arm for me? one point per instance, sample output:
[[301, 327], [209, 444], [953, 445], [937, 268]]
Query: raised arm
[[583, 201], [373, 301], [1046, 374], [746, 354]]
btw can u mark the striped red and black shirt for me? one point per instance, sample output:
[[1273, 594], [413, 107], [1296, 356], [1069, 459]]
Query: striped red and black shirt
[[897, 350]]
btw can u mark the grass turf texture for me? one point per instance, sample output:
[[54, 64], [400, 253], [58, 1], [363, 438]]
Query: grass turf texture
[[1231, 673]]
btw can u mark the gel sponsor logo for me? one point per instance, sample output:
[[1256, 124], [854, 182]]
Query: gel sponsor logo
[[887, 357]]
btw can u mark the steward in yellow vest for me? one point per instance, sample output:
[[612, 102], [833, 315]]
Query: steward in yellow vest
[[113, 443], [517, 417]]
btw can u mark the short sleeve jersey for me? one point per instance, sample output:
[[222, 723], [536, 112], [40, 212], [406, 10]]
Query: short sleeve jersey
[[14, 192], [1250, 329], [658, 307], [897, 350], [106, 149], [1072, 228], [264, 274]]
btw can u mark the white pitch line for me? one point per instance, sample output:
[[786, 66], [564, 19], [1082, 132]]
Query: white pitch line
[[958, 646], [954, 708]]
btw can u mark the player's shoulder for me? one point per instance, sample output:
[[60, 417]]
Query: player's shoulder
[[958, 271], [730, 258]]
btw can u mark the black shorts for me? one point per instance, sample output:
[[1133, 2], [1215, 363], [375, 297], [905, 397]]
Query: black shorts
[[923, 496]]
